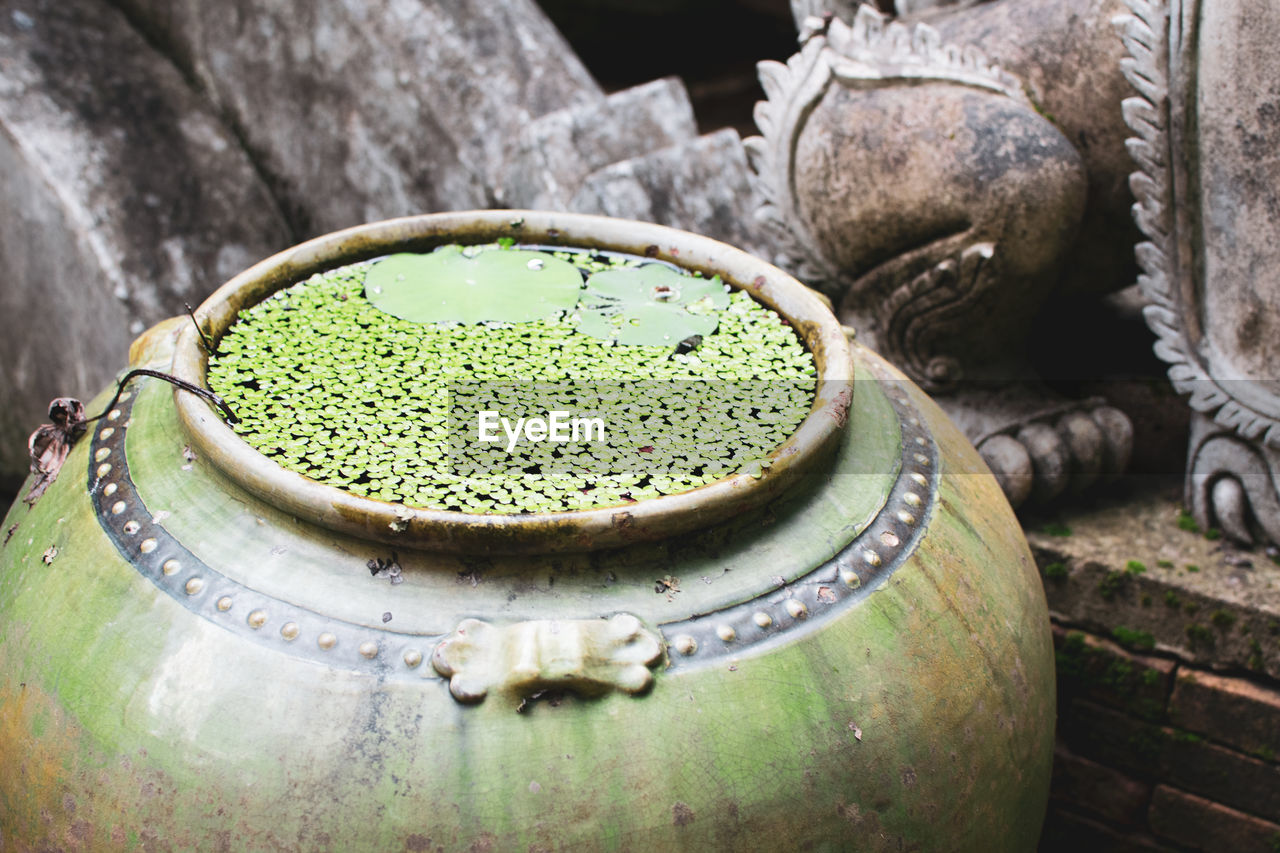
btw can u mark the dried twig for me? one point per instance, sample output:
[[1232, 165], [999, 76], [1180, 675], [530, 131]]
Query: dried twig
[[49, 445]]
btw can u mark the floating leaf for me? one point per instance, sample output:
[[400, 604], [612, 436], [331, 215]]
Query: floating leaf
[[650, 305], [449, 286]]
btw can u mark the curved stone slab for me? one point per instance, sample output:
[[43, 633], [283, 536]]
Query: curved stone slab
[[123, 198], [366, 111]]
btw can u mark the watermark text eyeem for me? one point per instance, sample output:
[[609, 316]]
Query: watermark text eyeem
[[558, 426]]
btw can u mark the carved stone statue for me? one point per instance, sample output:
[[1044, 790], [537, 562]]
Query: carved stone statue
[[929, 193], [1206, 114], [951, 177]]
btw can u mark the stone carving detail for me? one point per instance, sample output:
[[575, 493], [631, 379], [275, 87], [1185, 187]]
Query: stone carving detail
[[791, 90], [871, 51], [1232, 484], [877, 50], [915, 183], [915, 317], [587, 656], [1235, 447]]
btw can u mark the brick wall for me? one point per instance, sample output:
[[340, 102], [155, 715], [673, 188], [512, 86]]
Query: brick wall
[[1155, 753]]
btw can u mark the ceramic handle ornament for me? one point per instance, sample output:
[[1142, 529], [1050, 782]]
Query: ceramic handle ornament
[[588, 656]]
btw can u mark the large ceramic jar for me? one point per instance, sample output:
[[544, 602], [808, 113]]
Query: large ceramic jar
[[846, 647]]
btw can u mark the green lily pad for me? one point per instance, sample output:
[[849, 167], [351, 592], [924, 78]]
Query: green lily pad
[[650, 305], [449, 286]]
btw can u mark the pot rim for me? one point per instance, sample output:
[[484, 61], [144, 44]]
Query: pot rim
[[578, 530]]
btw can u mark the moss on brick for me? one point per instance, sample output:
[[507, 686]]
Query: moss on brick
[[1199, 635], [1255, 661], [1056, 571], [1112, 584], [1133, 639], [1111, 676], [1222, 619]]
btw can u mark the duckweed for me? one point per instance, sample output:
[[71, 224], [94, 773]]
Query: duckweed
[[333, 388]]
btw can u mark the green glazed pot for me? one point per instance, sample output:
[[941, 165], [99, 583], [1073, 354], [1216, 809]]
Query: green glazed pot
[[849, 650]]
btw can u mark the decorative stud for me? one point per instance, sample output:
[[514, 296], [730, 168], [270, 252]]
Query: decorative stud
[[113, 415], [914, 497], [125, 397]]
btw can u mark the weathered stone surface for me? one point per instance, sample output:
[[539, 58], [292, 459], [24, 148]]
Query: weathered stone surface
[[1205, 132], [554, 154], [123, 197], [1068, 57], [1200, 824], [886, 194], [700, 186], [1240, 713], [1236, 166], [1099, 670], [1102, 790], [361, 111]]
